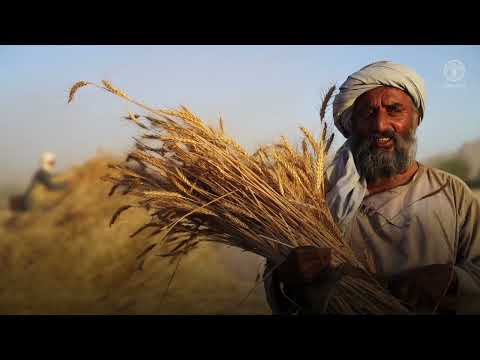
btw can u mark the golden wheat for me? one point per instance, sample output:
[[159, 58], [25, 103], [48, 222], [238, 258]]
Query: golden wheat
[[74, 89], [198, 180]]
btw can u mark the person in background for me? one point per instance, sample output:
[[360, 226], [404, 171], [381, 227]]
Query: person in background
[[42, 177]]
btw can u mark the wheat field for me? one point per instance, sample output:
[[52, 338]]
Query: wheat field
[[64, 258]]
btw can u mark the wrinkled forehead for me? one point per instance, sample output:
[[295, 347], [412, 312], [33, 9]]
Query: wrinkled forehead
[[385, 95]]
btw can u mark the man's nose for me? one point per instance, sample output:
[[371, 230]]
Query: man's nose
[[381, 122]]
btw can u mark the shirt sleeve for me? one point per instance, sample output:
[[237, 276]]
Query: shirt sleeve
[[46, 179], [467, 267]]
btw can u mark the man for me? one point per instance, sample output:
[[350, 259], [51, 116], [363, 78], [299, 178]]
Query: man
[[43, 176], [415, 227]]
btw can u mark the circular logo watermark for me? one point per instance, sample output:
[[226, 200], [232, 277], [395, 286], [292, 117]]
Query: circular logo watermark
[[454, 71]]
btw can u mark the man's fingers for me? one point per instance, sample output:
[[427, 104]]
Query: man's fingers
[[304, 264], [311, 254], [310, 260], [422, 287], [312, 251], [400, 289], [312, 266]]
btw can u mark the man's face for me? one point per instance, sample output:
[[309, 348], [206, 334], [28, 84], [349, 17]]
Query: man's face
[[384, 122]]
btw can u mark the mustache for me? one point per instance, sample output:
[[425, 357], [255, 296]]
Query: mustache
[[385, 134], [373, 163], [390, 134]]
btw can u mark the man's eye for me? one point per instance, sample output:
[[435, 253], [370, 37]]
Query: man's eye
[[367, 112], [393, 108]]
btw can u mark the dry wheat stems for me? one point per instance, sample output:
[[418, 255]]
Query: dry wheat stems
[[199, 184]]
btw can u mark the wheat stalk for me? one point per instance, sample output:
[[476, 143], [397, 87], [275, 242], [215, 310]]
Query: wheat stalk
[[74, 89], [201, 181]]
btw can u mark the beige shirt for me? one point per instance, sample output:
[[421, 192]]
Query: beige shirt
[[423, 223], [434, 219]]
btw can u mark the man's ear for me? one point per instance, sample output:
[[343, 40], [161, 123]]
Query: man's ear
[[417, 119]]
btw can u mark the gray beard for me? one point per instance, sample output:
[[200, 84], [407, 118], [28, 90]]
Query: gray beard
[[373, 163]]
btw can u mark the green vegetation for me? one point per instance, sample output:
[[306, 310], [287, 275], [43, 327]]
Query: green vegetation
[[456, 166], [474, 183]]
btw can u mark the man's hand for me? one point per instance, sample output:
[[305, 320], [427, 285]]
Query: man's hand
[[424, 288], [310, 280], [303, 265]]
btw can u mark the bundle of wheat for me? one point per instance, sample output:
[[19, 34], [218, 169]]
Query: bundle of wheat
[[200, 185]]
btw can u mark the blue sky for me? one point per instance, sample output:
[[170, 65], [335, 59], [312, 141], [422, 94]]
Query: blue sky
[[262, 92]]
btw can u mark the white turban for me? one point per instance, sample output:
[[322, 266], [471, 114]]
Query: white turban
[[381, 73], [46, 159]]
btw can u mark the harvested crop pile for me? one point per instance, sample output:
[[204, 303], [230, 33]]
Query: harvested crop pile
[[199, 184], [62, 257]]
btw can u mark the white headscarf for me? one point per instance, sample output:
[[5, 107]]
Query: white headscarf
[[381, 73], [45, 160], [348, 188]]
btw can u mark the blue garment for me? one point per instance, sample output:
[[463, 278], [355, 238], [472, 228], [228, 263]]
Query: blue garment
[[41, 177]]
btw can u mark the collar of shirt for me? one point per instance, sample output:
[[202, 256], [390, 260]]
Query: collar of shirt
[[391, 204]]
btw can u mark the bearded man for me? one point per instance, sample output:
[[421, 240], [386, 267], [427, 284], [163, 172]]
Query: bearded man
[[416, 228]]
